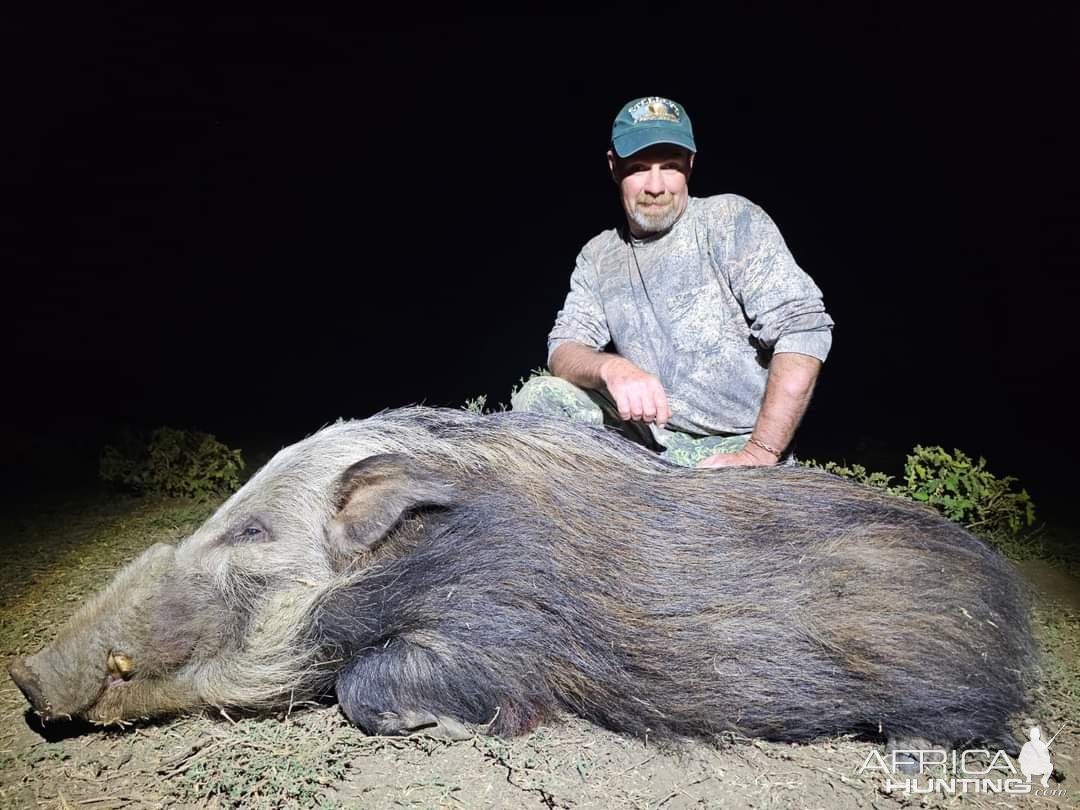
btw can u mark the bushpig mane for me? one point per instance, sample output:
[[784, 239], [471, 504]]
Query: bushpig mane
[[575, 573]]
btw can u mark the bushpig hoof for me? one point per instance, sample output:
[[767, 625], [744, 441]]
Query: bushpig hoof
[[415, 721], [901, 754]]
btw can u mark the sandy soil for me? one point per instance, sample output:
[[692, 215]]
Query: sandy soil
[[310, 757]]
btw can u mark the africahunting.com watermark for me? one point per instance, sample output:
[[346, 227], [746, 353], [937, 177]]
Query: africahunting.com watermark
[[973, 770]]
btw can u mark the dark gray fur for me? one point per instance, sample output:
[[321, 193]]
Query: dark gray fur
[[782, 603]]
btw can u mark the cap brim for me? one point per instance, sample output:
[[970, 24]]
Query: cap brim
[[642, 137]]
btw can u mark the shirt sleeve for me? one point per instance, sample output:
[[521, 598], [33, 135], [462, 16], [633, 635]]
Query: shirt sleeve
[[582, 318], [782, 303]]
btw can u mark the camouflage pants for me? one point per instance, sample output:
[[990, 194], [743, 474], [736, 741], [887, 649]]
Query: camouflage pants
[[554, 396]]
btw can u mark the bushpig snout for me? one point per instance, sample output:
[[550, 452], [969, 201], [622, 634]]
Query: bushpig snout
[[70, 676], [27, 682]]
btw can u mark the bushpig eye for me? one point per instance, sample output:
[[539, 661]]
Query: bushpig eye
[[251, 532]]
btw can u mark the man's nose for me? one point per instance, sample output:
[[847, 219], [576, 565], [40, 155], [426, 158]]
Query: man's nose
[[654, 184]]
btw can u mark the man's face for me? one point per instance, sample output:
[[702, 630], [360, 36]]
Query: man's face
[[653, 184]]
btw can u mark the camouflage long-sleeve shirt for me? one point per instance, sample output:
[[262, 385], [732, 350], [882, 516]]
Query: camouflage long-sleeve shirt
[[703, 306]]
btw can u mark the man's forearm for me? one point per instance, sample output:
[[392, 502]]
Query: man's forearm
[[787, 394], [637, 394], [580, 365]]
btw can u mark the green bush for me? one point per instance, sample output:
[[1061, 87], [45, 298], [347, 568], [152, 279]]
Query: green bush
[[174, 462], [965, 491], [479, 406], [961, 489], [854, 472]]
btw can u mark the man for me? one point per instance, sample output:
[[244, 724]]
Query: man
[[717, 334]]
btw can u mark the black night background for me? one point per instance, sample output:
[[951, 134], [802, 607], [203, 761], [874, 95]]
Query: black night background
[[254, 227]]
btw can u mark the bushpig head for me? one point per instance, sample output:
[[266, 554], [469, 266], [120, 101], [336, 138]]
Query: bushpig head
[[219, 619]]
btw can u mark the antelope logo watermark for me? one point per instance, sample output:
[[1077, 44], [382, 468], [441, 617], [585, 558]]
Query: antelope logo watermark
[[973, 770]]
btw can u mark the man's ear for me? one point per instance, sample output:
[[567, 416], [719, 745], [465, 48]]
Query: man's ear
[[372, 497], [690, 165], [612, 162]]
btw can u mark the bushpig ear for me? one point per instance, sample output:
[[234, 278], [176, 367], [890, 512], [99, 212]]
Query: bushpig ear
[[374, 494]]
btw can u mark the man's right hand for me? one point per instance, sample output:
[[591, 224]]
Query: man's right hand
[[638, 395]]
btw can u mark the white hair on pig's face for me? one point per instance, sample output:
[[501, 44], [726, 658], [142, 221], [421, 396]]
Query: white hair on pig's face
[[275, 523], [219, 618], [265, 554]]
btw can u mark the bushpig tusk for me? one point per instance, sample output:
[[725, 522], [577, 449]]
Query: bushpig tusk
[[120, 664]]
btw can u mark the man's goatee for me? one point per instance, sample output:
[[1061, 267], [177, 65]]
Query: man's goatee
[[655, 223]]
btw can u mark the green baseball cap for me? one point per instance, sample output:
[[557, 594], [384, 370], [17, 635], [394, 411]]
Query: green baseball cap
[[651, 120]]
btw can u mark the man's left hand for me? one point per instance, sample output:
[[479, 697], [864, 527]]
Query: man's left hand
[[743, 458]]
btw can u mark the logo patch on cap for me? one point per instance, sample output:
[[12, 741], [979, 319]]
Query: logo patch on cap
[[655, 108]]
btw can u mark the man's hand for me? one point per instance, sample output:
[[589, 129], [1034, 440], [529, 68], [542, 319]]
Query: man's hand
[[638, 395], [787, 393], [749, 456]]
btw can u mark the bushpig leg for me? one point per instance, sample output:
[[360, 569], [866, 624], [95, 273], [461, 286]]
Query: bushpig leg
[[401, 688]]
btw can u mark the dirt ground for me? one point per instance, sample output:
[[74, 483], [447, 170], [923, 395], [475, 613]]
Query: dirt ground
[[309, 757]]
